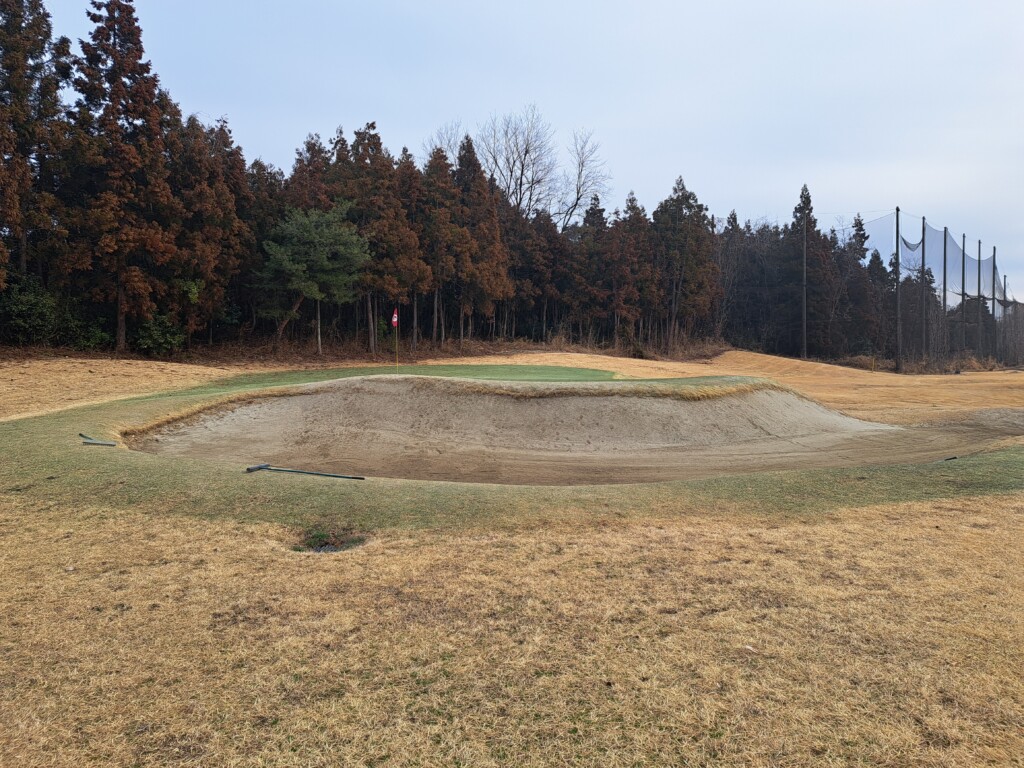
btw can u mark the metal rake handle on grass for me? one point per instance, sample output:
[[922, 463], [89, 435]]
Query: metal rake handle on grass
[[268, 468], [86, 440]]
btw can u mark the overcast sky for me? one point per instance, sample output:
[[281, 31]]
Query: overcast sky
[[871, 104]]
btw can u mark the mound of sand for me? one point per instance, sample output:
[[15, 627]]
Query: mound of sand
[[527, 433]]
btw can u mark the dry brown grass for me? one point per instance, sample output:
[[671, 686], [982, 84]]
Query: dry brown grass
[[888, 636], [43, 384], [885, 636], [871, 395]]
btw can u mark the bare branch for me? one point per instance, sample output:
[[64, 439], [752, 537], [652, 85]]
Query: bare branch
[[448, 137], [587, 177], [518, 150]]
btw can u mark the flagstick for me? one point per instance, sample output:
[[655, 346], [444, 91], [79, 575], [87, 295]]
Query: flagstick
[[394, 324]]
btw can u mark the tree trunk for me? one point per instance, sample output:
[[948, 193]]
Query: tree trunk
[[121, 342], [23, 252], [433, 332], [371, 329], [415, 319], [319, 342], [283, 322]]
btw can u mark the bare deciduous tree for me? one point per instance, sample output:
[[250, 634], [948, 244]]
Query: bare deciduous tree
[[518, 150], [448, 137], [585, 178]]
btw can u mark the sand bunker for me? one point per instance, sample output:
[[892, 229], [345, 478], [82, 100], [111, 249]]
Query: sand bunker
[[430, 428]]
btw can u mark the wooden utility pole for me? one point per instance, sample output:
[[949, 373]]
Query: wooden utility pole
[[803, 346]]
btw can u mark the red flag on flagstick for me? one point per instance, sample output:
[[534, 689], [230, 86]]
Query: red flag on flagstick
[[394, 319]]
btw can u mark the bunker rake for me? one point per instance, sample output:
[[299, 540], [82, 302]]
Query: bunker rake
[[268, 468]]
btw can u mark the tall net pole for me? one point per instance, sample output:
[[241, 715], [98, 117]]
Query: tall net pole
[[981, 338], [945, 321], [899, 322], [963, 296], [924, 307], [1006, 324], [995, 325]]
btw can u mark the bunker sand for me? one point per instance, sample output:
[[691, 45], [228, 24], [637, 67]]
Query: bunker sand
[[428, 428]]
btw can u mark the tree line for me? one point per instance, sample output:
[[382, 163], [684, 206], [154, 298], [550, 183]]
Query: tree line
[[126, 224]]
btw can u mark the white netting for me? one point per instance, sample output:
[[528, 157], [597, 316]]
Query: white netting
[[966, 281]]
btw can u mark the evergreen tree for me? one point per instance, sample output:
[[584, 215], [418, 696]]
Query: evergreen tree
[[631, 271], [208, 176], [310, 183], [129, 211], [447, 244], [586, 280], [789, 292], [315, 255], [484, 280], [551, 251], [33, 70], [396, 267], [412, 195], [261, 207], [686, 250]]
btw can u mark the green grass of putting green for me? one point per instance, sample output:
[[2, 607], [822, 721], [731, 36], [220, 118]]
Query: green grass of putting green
[[44, 464]]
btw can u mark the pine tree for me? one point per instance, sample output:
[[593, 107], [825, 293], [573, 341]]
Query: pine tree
[[552, 252], [261, 207], [312, 254], [130, 210]]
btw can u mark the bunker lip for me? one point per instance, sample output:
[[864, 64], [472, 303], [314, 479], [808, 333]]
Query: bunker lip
[[468, 430]]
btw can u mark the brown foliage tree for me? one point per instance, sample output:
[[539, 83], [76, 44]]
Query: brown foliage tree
[[484, 279], [33, 69], [396, 268], [130, 209]]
